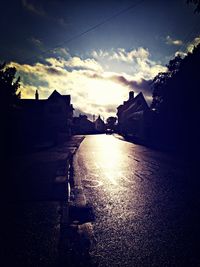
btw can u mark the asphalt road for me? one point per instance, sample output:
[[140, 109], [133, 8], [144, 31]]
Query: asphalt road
[[145, 202]]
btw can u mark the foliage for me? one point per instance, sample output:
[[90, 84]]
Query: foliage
[[111, 121], [176, 97], [161, 80], [195, 2], [9, 95], [9, 86]]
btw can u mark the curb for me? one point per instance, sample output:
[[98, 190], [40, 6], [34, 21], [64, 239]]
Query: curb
[[76, 230]]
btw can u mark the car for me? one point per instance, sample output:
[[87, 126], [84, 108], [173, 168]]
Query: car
[[109, 131]]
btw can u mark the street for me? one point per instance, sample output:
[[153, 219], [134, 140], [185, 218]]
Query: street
[[145, 204]]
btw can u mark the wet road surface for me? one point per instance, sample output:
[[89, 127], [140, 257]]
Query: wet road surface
[[145, 203]]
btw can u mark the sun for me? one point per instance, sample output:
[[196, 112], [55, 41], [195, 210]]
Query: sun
[[104, 92]]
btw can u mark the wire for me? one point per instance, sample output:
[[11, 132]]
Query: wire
[[88, 30], [188, 37]]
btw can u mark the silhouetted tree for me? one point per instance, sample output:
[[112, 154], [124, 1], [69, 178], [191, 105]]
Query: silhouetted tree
[[195, 2], [160, 81], [9, 86], [9, 96], [176, 100], [111, 121]]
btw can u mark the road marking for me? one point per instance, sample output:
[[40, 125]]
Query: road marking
[[92, 183]]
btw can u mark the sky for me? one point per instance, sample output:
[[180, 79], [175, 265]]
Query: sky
[[96, 51]]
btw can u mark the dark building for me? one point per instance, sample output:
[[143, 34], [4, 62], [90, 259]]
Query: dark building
[[45, 119], [81, 125], [134, 117], [99, 125]]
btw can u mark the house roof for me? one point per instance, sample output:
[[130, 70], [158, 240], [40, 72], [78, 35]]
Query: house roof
[[136, 104], [37, 105], [99, 119], [125, 105], [56, 94], [66, 98]]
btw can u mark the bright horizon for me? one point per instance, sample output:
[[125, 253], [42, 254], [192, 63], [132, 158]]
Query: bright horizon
[[101, 66]]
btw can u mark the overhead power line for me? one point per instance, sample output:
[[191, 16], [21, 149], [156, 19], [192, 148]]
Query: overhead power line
[[101, 23], [188, 37], [89, 29]]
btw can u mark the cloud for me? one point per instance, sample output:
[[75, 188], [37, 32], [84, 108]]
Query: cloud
[[122, 55], [61, 52], [36, 7], [147, 69], [77, 62], [193, 44], [53, 74], [188, 48], [180, 53], [36, 42], [54, 71], [136, 62], [171, 41], [33, 7], [100, 53], [56, 62], [95, 89], [140, 85]]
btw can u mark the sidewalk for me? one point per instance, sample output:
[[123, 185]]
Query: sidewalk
[[37, 194]]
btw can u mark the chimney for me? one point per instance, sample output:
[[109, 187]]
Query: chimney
[[36, 95], [131, 95]]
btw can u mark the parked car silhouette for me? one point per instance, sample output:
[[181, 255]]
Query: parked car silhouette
[[109, 131]]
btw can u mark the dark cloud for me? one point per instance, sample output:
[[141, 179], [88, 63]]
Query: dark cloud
[[105, 109], [36, 42], [93, 75], [141, 85], [34, 6], [54, 71], [78, 111], [32, 79], [111, 109]]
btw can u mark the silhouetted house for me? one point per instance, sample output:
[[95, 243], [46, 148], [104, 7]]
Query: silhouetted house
[[46, 118], [134, 117], [81, 125], [99, 125]]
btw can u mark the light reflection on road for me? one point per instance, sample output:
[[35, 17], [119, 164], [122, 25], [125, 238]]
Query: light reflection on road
[[136, 202], [109, 159]]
